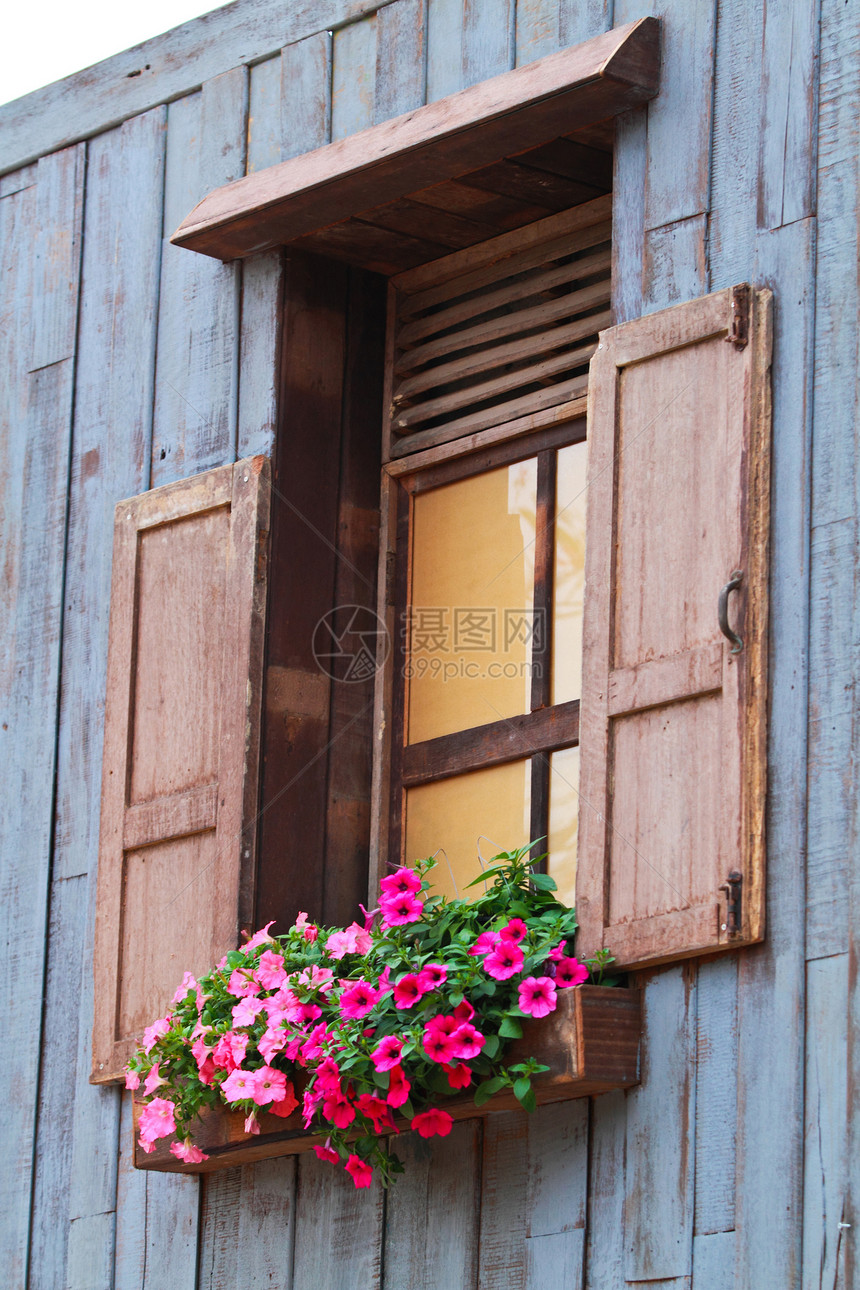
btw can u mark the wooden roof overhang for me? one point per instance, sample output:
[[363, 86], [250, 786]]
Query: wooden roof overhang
[[495, 156]]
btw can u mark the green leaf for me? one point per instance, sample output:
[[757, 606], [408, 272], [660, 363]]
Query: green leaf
[[485, 1091], [510, 1028], [524, 1093], [491, 1045], [543, 882]]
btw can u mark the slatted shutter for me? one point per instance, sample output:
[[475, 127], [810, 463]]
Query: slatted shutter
[[181, 750], [671, 832]]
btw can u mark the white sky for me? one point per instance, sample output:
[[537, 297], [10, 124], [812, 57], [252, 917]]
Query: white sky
[[45, 42]]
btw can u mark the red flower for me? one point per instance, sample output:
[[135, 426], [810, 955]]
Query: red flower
[[407, 991], [459, 1076], [505, 960], [514, 931], [360, 1172], [432, 1123], [399, 1087], [570, 972], [326, 1153], [467, 1041], [376, 1110]]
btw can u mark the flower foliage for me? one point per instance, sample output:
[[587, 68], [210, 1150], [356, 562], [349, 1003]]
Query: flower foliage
[[352, 1025]]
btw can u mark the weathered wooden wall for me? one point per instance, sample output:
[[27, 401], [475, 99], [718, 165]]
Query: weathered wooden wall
[[128, 363]]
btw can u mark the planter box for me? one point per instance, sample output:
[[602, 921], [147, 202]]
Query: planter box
[[590, 1044]]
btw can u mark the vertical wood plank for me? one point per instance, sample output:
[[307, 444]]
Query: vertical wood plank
[[259, 346], [675, 267], [488, 38], [713, 1260], [338, 1242], [716, 1098], [198, 353], [91, 1246], [432, 1214], [504, 1200], [628, 215], [306, 94], [658, 1204], [38, 405], [770, 977], [543, 26], [220, 1216], [825, 1124], [401, 64], [604, 1254], [265, 130], [266, 1225], [581, 19], [788, 112], [353, 78], [444, 48], [555, 1259]]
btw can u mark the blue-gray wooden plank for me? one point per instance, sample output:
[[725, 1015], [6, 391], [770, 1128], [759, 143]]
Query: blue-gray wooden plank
[[17, 180], [56, 256], [679, 118], [444, 48], [628, 214], [433, 1212], [543, 26], [220, 1209], [36, 420], [555, 1259], [826, 1127], [306, 94], [196, 390], [338, 1244], [788, 112], [110, 460], [658, 1204], [401, 65], [675, 267], [604, 1252], [714, 1261], [247, 1227], [488, 38], [504, 1202], [716, 1096], [162, 69], [770, 976], [264, 115], [353, 82]]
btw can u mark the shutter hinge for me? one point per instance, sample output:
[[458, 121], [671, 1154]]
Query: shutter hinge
[[739, 327], [732, 888]]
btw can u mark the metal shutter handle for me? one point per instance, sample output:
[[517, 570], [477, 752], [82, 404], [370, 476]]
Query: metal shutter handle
[[723, 611]]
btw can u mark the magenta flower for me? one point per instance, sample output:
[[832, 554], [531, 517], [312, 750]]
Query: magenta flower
[[459, 1076], [269, 1085], [570, 972], [242, 983], [439, 1046], [407, 991], [328, 1076], [270, 970], [537, 996], [399, 1087], [238, 1086], [400, 910], [376, 1110], [246, 1011], [432, 1123], [156, 1119], [485, 942], [326, 1153], [358, 1000], [505, 961], [259, 938], [285, 1105], [339, 1110], [188, 1152], [360, 1172], [314, 1046], [432, 977], [387, 1052], [464, 1011], [404, 881], [515, 930], [154, 1032], [558, 952], [467, 1041]]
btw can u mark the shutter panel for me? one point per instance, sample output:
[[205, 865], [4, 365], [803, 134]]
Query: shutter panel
[[672, 721], [181, 750]]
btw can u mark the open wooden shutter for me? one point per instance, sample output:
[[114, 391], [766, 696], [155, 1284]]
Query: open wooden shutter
[[671, 822], [181, 750]]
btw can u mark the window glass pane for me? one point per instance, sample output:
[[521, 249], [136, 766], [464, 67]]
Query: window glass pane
[[472, 601], [563, 818], [569, 580], [484, 812]]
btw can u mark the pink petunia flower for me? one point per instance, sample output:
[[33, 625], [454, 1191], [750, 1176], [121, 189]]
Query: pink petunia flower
[[242, 983], [537, 996], [358, 1000], [316, 978], [310, 1102], [432, 1123], [559, 952], [259, 938], [252, 1124], [287, 1104], [270, 970], [132, 1079], [404, 882], [326, 1153], [384, 982], [400, 910], [153, 1033], [515, 931], [360, 1172], [387, 1052], [157, 1120], [505, 961], [464, 1011], [353, 940], [446, 1023], [328, 1076], [314, 1046], [272, 1042], [188, 1152], [439, 1046], [399, 1087], [376, 1110], [459, 1076], [153, 1081], [270, 1085], [467, 1041], [432, 977], [407, 991], [245, 1011], [339, 1110], [189, 982], [238, 1086], [229, 1052], [206, 1073], [570, 972], [484, 943]]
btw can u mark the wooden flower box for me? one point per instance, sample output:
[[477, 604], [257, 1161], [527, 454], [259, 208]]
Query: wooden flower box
[[590, 1044]]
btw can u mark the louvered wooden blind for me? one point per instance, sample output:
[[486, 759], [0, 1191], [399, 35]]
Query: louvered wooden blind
[[500, 331]]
